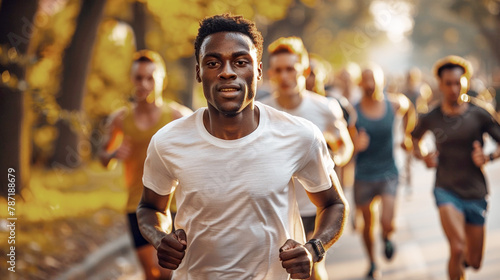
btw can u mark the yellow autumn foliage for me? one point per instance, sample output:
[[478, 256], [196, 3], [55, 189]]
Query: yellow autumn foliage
[[171, 27], [59, 194]]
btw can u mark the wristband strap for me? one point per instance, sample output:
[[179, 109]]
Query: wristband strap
[[318, 248]]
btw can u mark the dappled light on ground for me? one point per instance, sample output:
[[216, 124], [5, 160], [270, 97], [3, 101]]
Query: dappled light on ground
[[62, 217]]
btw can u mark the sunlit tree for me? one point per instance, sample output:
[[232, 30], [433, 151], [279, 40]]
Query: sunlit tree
[[16, 26], [76, 61]]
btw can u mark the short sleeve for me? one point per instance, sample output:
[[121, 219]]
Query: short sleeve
[[317, 166], [157, 176], [336, 109], [336, 117]]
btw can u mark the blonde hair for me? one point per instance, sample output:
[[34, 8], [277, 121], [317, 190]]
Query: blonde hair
[[293, 45]]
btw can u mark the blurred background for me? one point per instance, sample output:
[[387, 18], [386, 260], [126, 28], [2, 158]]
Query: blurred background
[[64, 67]]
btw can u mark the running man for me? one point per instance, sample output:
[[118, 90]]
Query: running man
[[460, 188], [231, 166], [420, 95], [128, 134], [376, 174], [288, 67]]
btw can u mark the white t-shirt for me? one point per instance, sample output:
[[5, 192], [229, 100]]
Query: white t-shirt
[[235, 198], [322, 112]]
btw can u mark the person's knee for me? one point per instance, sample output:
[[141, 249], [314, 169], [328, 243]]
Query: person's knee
[[457, 250]]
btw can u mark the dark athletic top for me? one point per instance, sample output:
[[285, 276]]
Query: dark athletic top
[[377, 161], [454, 135]]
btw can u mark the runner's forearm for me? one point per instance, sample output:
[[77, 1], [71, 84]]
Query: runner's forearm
[[154, 225]]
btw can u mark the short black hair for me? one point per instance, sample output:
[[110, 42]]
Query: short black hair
[[449, 66], [228, 23]]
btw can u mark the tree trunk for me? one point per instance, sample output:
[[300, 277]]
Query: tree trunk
[[15, 34], [76, 62], [139, 24], [294, 24], [186, 95]]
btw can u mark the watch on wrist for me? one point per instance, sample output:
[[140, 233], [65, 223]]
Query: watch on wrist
[[492, 157], [318, 248]]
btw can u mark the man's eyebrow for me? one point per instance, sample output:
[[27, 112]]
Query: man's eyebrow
[[212, 54], [233, 55], [240, 53]]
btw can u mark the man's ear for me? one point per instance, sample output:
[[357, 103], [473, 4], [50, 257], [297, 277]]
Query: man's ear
[[198, 77], [259, 69]]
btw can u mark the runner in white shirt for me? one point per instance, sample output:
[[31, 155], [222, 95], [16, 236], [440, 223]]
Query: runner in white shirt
[[231, 166], [288, 64], [320, 112]]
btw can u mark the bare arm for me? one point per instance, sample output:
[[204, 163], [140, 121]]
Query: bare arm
[[332, 210], [153, 216], [113, 144], [344, 154], [341, 143], [430, 159], [478, 156], [404, 108], [155, 224], [424, 98], [361, 139], [409, 122], [332, 207]]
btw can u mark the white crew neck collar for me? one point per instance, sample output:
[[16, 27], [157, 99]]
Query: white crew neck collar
[[236, 142]]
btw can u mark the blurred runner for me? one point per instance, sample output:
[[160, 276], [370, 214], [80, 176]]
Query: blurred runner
[[288, 68], [128, 134], [420, 95], [316, 82], [376, 174], [460, 188]]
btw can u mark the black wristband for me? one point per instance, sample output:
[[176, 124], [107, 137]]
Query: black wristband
[[492, 157], [318, 248]]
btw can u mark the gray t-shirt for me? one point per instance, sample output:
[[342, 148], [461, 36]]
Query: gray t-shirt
[[454, 137]]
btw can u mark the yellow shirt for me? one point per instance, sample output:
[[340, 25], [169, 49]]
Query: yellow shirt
[[134, 164]]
